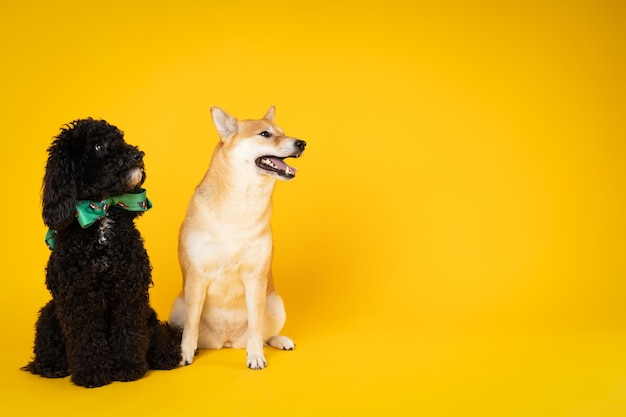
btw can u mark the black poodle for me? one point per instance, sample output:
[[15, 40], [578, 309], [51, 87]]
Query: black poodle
[[99, 326]]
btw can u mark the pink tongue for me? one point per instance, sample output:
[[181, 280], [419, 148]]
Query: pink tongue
[[281, 165]]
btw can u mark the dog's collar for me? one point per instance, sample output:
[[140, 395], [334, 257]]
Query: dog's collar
[[89, 212]]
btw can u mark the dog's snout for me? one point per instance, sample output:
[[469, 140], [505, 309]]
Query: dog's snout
[[138, 156], [300, 144]]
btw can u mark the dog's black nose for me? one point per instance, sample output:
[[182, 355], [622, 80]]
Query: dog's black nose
[[300, 144], [139, 156]]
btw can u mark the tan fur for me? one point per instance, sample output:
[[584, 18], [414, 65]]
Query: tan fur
[[225, 246]]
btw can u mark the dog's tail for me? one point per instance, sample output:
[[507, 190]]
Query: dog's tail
[[164, 351]]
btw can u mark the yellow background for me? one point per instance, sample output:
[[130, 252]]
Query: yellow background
[[453, 244]]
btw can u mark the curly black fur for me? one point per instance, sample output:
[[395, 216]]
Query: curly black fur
[[99, 326]]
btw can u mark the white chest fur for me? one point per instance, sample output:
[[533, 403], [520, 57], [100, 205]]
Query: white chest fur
[[105, 231]]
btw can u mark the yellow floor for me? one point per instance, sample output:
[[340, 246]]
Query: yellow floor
[[359, 369]]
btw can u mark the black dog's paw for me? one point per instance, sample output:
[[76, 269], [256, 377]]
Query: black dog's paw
[[129, 372], [91, 380], [45, 371]]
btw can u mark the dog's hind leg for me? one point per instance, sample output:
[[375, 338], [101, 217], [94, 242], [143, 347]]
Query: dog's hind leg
[[275, 317], [177, 315], [50, 356]]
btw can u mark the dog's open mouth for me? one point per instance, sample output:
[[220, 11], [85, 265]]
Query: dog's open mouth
[[276, 165]]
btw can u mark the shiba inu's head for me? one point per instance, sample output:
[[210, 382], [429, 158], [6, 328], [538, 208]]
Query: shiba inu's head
[[259, 144]]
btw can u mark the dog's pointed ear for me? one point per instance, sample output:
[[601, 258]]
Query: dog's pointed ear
[[225, 123], [269, 115], [59, 189]]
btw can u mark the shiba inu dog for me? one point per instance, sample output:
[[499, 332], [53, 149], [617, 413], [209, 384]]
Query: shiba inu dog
[[225, 243]]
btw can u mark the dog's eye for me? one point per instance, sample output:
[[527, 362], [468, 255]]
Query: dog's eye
[[99, 147], [265, 134]]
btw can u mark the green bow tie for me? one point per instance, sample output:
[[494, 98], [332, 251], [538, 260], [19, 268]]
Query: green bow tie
[[89, 212]]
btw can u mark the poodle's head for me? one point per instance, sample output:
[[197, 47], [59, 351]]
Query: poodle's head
[[88, 160]]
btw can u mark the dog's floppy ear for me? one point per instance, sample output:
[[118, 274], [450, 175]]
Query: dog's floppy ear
[[59, 189], [225, 123], [269, 115]]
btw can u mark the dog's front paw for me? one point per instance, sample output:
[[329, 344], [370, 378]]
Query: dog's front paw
[[256, 361], [90, 380], [186, 357], [129, 372]]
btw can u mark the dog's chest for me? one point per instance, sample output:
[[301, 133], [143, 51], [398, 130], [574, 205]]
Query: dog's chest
[[106, 231], [230, 254]]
